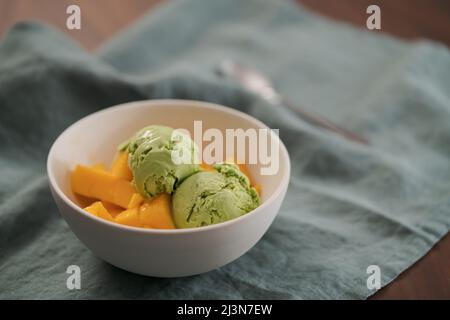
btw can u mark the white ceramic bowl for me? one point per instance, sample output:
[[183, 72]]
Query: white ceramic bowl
[[152, 252]]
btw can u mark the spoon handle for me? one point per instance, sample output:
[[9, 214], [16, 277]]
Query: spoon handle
[[324, 123]]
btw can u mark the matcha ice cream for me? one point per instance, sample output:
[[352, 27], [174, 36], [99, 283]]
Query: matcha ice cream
[[212, 197], [150, 159]]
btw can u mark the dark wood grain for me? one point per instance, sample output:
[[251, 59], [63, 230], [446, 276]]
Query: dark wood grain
[[429, 278], [408, 19], [100, 18]]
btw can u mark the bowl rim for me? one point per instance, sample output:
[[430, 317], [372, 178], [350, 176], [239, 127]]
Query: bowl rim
[[151, 102]]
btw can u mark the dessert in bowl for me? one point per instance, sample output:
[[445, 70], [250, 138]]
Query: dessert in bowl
[[177, 247]]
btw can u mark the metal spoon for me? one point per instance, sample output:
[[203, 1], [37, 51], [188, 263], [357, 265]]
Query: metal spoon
[[257, 83]]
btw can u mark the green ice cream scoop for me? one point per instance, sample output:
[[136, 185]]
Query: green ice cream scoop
[[212, 197], [152, 163]]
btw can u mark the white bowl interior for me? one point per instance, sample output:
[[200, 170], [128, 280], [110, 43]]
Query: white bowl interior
[[94, 139]]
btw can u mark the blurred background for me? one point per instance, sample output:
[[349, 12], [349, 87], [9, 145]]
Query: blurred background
[[407, 19]]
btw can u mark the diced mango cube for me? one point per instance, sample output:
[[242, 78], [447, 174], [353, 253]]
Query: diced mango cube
[[99, 166], [156, 212], [113, 209], [97, 209], [129, 217], [244, 170], [207, 167], [83, 201], [258, 188], [120, 167], [104, 186], [92, 209], [135, 201]]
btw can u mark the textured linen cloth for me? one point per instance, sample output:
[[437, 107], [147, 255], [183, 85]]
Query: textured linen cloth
[[348, 205]]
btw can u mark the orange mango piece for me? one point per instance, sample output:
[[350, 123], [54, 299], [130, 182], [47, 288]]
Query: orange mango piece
[[97, 209], [129, 217], [92, 209], [244, 169], [156, 213], [120, 167], [135, 201], [99, 166], [207, 167], [257, 188], [113, 209], [104, 186], [83, 201]]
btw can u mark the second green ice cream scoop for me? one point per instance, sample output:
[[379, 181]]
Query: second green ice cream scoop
[[150, 159], [212, 197]]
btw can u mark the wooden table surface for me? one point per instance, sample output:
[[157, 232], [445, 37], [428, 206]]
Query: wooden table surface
[[429, 278]]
